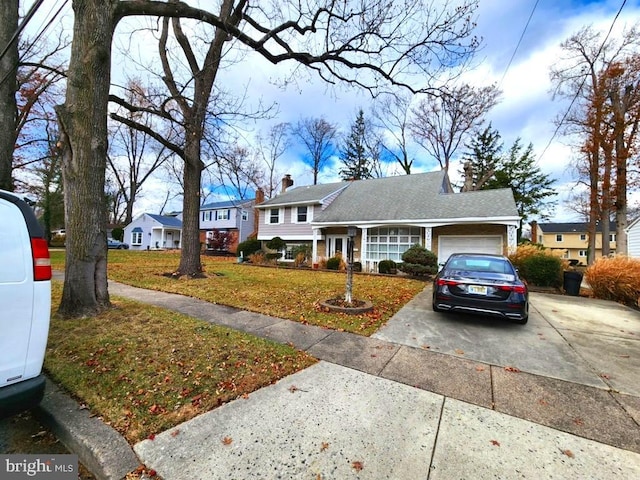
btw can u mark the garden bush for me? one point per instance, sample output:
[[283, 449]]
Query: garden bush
[[542, 270], [333, 263], [249, 247], [387, 266], [527, 250], [417, 260], [276, 243], [615, 278]]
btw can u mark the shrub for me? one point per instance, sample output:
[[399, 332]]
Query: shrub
[[417, 260], [301, 254], [387, 266], [117, 233], [333, 263], [258, 258], [542, 270], [249, 247], [615, 278], [276, 243], [527, 250]]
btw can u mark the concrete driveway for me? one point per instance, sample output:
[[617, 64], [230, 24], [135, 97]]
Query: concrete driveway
[[582, 340]]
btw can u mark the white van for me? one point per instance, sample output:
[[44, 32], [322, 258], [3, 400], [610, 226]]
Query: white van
[[25, 305]]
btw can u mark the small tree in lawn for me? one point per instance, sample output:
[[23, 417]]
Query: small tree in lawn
[[219, 240]]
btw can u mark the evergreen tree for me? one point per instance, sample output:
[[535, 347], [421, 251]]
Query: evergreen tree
[[482, 159], [357, 164], [530, 186]]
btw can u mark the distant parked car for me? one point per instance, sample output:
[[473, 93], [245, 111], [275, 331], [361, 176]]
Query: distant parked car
[[481, 284], [112, 243], [25, 298]]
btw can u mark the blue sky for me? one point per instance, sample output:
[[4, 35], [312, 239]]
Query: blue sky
[[526, 110]]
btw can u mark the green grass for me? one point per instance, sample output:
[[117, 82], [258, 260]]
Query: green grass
[[144, 370]]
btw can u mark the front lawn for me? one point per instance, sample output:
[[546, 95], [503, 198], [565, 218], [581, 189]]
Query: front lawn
[[282, 292], [144, 370]]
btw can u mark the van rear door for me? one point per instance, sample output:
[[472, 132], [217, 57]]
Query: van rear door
[[17, 290]]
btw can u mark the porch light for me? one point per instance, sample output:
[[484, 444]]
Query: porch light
[[351, 231]]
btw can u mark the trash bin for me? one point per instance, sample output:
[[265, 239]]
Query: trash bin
[[572, 281]]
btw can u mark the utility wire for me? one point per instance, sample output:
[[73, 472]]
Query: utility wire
[[22, 26], [519, 42], [584, 80]]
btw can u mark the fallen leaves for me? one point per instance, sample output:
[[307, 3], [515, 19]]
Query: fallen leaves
[[568, 453], [324, 446], [459, 352], [495, 443], [227, 441], [357, 465], [480, 368], [512, 369]]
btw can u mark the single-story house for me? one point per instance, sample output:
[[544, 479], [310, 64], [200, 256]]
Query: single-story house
[[233, 217], [571, 238], [153, 232], [390, 214]]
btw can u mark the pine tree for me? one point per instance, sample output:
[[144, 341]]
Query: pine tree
[[531, 188], [357, 164], [481, 160]]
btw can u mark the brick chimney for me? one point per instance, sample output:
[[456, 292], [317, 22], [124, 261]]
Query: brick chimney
[[287, 181], [256, 213], [534, 231]]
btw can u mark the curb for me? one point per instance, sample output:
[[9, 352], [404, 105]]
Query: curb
[[99, 447]]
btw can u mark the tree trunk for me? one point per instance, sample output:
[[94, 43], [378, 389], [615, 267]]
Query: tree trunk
[[83, 133], [190, 263], [605, 212], [8, 69], [621, 195]]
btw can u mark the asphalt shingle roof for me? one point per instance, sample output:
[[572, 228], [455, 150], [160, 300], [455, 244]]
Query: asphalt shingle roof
[[414, 197], [166, 221], [306, 194], [572, 227]]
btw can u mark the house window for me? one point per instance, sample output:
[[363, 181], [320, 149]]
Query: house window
[[302, 215], [136, 238], [582, 253], [274, 215], [245, 215], [389, 243], [583, 237], [207, 215], [612, 237], [559, 237], [223, 214]]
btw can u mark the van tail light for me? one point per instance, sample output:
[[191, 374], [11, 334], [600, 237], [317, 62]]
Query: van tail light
[[41, 259]]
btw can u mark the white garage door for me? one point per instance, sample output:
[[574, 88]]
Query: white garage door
[[448, 244]]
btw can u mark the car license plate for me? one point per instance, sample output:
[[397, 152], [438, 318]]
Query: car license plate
[[477, 290]]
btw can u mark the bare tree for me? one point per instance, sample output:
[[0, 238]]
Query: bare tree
[[270, 149], [135, 156], [240, 169], [591, 74], [8, 74], [368, 44], [441, 123], [392, 114], [319, 137]]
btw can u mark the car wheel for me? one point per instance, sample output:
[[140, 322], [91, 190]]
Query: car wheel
[[522, 321], [433, 305]]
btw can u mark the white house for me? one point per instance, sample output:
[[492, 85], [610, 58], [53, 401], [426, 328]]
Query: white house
[[633, 238], [153, 232]]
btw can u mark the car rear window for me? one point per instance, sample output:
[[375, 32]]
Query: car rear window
[[480, 264]]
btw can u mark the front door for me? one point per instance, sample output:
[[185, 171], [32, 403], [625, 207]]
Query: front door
[[335, 244]]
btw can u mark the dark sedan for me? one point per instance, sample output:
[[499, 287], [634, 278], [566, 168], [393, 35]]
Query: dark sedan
[[481, 284]]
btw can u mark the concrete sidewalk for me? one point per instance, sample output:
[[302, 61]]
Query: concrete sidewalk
[[378, 409]]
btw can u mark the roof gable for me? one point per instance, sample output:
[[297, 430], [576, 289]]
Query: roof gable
[[308, 194]]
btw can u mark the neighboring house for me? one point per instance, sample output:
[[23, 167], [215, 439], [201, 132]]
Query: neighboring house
[[633, 238], [153, 232], [390, 214], [233, 217], [571, 238]]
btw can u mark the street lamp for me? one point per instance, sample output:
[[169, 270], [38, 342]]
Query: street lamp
[[351, 233]]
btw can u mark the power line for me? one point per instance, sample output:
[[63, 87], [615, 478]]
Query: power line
[[32, 11], [519, 42], [584, 80]]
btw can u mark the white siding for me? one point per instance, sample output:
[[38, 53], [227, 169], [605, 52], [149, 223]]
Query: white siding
[[633, 240]]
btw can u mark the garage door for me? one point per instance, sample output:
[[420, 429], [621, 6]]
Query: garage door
[[448, 244]]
